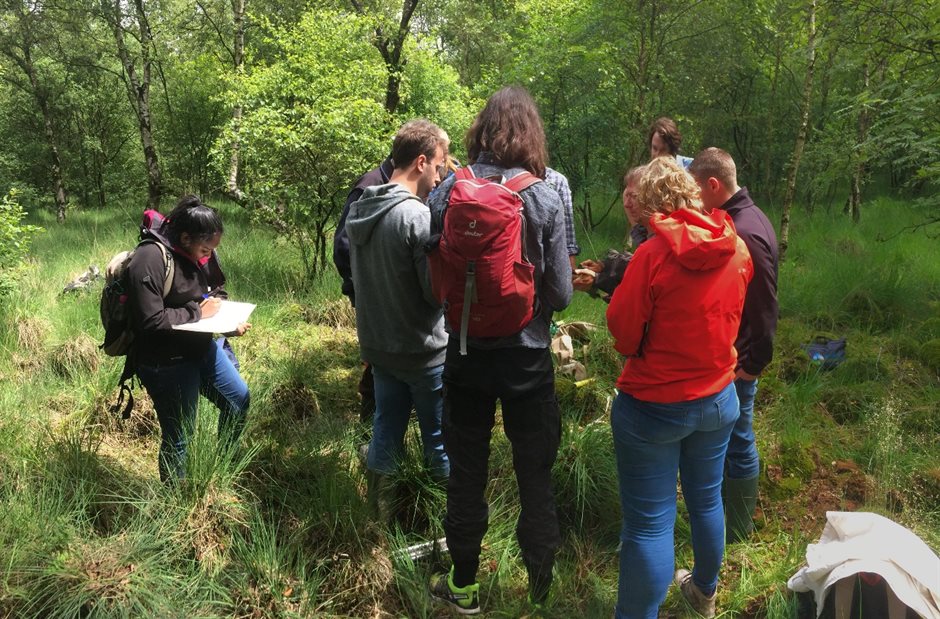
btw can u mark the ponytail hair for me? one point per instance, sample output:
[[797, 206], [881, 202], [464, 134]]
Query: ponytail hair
[[191, 216]]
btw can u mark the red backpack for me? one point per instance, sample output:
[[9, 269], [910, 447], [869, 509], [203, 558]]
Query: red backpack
[[481, 257]]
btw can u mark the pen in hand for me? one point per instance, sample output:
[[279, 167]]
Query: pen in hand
[[210, 305]]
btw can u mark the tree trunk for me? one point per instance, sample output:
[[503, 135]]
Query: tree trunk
[[38, 92], [49, 129], [801, 134], [858, 170], [138, 92], [238, 58], [391, 50]]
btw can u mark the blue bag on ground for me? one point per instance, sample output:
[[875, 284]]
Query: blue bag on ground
[[828, 353]]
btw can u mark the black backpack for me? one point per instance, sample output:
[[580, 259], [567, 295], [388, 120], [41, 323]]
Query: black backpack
[[116, 315]]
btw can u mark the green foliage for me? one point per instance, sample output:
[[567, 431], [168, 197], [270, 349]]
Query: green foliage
[[431, 89], [196, 101], [930, 354], [313, 122], [15, 240]]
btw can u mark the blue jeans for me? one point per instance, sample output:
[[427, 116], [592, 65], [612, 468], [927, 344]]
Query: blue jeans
[[742, 461], [175, 388], [655, 442], [396, 391]]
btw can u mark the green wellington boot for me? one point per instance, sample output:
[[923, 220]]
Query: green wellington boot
[[382, 495], [740, 496]]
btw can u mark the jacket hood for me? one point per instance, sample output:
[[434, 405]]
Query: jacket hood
[[700, 241], [369, 210]]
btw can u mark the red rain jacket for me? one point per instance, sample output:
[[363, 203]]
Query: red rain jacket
[[677, 312]]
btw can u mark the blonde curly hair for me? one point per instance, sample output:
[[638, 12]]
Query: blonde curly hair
[[665, 186]]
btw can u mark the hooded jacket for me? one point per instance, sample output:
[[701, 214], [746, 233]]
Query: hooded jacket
[[153, 317], [399, 322], [377, 176], [676, 313]]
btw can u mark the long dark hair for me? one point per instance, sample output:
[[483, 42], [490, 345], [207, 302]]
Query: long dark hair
[[191, 216], [509, 127]]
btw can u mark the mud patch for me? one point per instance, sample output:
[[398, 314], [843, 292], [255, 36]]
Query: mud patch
[[838, 485]]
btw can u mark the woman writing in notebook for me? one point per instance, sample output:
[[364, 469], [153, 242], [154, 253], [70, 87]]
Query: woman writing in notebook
[[176, 366]]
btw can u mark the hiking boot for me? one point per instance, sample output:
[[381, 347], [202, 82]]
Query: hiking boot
[[465, 600], [701, 603], [540, 585]]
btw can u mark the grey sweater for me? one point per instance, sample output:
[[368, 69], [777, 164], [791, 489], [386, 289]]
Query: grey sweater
[[400, 324]]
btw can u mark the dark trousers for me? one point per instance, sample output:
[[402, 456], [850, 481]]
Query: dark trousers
[[366, 390], [523, 380]]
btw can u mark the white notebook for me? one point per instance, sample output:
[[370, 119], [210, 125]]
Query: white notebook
[[230, 315]]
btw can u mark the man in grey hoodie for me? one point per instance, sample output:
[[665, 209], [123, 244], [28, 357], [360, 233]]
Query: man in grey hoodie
[[400, 324]]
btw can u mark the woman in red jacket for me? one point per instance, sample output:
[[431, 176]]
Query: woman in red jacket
[[675, 317]]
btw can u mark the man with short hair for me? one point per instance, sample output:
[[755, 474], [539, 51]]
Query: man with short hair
[[716, 175], [399, 322]]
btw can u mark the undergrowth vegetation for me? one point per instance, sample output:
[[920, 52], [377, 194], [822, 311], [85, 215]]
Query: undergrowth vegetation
[[281, 528]]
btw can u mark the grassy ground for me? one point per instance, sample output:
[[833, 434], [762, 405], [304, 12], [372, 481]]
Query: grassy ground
[[282, 529]]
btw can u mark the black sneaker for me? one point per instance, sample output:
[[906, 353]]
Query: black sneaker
[[465, 600]]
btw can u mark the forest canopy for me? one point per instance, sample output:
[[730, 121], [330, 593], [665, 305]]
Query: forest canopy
[[281, 106]]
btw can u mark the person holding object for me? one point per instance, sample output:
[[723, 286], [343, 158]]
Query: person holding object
[[675, 317], [716, 175], [600, 278], [176, 366]]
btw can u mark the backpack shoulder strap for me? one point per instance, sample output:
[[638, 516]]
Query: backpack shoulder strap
[[464, 173], [169, 269], [169, 265], [521, 182]]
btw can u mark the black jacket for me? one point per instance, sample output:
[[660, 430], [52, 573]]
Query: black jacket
[[755, 342], [378, 176], [152, 316]]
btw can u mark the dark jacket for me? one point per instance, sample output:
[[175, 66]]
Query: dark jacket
[[755, 342], [613, 268], [152, 316], [378, 176]]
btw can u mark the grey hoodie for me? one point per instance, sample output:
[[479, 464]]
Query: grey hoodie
[[400, 324]]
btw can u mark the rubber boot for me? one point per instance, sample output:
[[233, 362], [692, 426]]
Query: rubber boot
[[540, 581], [740, 498], [381, 495]]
